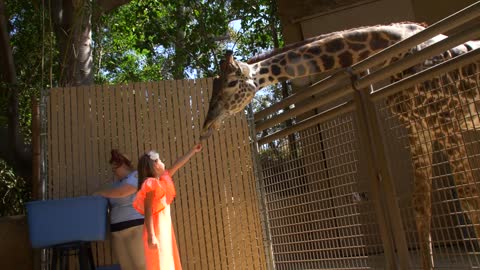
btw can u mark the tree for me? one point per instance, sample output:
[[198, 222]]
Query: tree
[[75, 42]]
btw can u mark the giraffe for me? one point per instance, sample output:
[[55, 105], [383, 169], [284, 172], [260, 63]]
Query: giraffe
[[428, 115]]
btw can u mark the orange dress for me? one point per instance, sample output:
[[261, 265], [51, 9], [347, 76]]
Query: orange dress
[[165, 256]]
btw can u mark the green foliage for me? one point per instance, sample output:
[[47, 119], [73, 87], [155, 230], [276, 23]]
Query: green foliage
[[13, 192], [155, 40], [33, 55]]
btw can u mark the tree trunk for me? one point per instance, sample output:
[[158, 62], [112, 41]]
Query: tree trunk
[[180, 59], [73, 29]]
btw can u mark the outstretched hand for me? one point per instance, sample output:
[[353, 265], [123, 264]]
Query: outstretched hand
[[197, 148]]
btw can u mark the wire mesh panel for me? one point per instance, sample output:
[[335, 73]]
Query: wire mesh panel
[[434, 144], [319, 214]]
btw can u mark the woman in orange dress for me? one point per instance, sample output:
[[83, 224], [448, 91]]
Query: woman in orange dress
[[156, 193]]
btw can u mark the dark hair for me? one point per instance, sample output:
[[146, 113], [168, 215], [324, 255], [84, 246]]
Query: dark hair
[[119, 159], [146, 169]]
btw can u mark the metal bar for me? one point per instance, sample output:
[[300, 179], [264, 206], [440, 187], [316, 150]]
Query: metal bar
[[303, 94], [43, 160], [328, 97], [313, 120], [427, 74], [367, 152], [43, 144], [448, 23], [382, 174], [260, 185], [419, 56]]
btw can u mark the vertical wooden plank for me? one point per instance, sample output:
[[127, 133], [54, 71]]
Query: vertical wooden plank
[[182, 182], [133, 94], [221, 176], [81, 143], [241, 205], [191, 175], [159, 117], [140, 114], [152, 112], [169, 158], [207, 193], [216, 180], [195, 197], [67, 164], [74, 181], [201, 195], [124, 124], [93, 158], [91, 178], [62, 132], [254, 237], [226, 192], [106, 140], [232, 189], [113, 115], [108, 124]]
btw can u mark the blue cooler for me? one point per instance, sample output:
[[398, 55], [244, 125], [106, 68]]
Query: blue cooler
[[53, 222]]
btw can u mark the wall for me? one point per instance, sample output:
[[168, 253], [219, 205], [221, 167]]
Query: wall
[[15, 250]]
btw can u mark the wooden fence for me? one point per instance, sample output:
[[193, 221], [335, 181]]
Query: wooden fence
[[216, 215]]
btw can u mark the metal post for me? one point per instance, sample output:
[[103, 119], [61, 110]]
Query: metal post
[[43, 160], [257, 167], [383, 182]]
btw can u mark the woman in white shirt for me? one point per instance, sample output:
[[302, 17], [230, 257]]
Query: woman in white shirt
[[125, 222]]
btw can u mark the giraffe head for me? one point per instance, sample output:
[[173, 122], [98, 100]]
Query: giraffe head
[[232, 91]]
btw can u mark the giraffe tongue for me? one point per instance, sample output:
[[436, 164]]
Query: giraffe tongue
[[207, 135]]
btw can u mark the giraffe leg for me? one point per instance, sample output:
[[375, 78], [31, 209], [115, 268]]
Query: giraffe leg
[[467, 189], [421, 150]]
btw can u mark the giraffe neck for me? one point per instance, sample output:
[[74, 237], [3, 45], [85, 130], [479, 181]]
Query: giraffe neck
[[335, 51]]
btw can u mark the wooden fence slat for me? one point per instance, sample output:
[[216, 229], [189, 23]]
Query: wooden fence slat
[[111, 117], [75, 165], [195, 199], [89, 141], [225, 196], [218, 179], [232, 187], [159, 118], [169, 158], [140, 130], [81, 142], [132, 117], [241, 206], [201, 196], [179, 119], [152, 128], [212, 183], [124, 126], [67, 166]]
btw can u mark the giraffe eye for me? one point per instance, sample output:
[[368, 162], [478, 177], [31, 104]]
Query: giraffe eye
[[232, 84]]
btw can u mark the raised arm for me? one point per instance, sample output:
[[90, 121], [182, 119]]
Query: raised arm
[[184, 159]]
